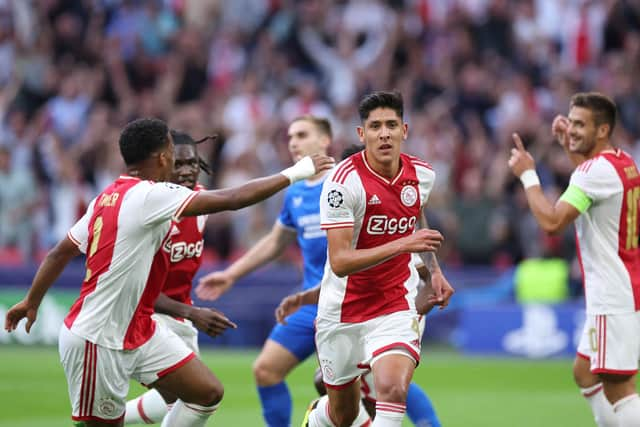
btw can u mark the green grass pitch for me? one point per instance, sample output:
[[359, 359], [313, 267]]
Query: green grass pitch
[[489, 392]]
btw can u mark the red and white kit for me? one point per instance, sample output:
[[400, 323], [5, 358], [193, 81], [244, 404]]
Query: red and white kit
[[184, 246], [121, 234], [607, 240], [370, 312]]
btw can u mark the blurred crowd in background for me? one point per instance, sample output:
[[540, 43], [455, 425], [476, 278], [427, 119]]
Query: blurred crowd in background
[[73, 72]]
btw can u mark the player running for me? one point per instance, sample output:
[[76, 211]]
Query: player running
[[602, 200], [109, 336]]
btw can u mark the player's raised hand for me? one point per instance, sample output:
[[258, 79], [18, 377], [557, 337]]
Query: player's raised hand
[[213, 285], [19, 312], [559, 129], [322, 162], [520, 160], [423, 240], [288, 306], [210, 321]]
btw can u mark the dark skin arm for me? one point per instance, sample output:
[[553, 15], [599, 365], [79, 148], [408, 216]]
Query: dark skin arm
[[208, 320], [254, 191], [50, 269]]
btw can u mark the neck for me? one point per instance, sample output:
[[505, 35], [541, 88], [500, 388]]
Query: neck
[[143, 172], [602, 148], [388, 170]]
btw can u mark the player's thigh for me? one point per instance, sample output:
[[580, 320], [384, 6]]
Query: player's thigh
[[98, 379], [274, 362], [582, 371], [298, 335], [168, 364], [341, 352]]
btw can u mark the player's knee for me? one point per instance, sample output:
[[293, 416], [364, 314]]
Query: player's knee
[[210, 394], [265, 374], [391, 391]]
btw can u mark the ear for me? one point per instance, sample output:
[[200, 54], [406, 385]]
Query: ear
[[603, 131], [360, 130], [405, 131]]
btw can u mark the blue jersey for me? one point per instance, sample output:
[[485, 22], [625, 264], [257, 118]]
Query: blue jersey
[[301, 212]]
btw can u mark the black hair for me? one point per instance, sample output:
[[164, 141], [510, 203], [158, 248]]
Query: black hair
[[183, 138], [141, 138], [351, 150], [380, 99], [601, 106]]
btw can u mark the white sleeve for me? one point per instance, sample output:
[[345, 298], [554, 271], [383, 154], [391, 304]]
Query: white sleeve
[[165, 201], [79, 232], [426, 180], [337, 205], [597, 178]]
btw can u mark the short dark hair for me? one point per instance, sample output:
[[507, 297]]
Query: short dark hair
[[380, 99], [351, 150], [323, 125], [141, 138], [601, 106]]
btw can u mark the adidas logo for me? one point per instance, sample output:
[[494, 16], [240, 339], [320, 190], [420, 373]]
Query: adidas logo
[[374, 200]]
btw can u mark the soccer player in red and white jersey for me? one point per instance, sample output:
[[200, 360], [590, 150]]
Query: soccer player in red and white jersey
[[370, 205], [602, 200], [174, 306], [109, 336]]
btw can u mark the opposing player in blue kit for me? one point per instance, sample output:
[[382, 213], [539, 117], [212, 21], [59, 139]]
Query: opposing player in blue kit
[[290, 344]]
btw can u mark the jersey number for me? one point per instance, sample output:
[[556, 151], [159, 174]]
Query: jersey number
[[633, 196], [97, 231]]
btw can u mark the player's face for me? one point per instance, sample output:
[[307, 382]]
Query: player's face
[[186, 165], [305, 139], [383, 133], [582, 131]]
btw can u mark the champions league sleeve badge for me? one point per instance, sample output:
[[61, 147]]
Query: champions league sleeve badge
[[335, 199]]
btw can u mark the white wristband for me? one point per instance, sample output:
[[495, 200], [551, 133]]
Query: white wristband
[[303, 169], [529, 178]]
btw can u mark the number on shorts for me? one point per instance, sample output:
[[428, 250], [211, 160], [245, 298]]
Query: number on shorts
[[97, 231]]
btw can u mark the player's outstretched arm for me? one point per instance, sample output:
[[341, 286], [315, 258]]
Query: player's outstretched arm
[[53, 264], [551, 218], [254, 191], [346, 260], [292, 303], [215, 284], [208, 320]]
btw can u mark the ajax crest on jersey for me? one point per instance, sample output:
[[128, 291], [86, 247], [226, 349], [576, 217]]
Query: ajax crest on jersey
[[408, 195]]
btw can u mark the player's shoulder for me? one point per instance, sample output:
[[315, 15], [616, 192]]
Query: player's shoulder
[[596, 166], [417, 162], [342, 171]]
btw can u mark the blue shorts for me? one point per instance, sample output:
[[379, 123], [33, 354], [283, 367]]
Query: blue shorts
[[298, 335]]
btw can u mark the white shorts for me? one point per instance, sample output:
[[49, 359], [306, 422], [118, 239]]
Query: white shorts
[[348, 350], [367, 387], [611, 343], [98, 377], [182, 328]]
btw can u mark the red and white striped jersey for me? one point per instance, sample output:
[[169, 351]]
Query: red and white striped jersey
[[184, 246], [607, 233], [379, 210], [121, 234]]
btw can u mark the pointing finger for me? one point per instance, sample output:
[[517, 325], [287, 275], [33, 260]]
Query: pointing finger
[[518, 142]]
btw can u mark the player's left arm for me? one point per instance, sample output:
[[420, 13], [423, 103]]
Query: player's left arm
[[292, 303], [208, 320], [442, 289], [52, 265], [551, 218]]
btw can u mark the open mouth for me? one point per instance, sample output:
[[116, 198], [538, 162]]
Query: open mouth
[[385, 147]]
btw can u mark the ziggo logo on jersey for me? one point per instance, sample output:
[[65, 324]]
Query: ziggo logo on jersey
[[382, 224], [182, 250]]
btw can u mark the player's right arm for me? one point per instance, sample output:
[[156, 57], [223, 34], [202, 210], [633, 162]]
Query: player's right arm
[[256, 190], [53, 264], [292, 303], [213, 285], [345, 259]]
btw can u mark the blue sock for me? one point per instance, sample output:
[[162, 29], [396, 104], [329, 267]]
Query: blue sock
[[276, 404], [420, 409]]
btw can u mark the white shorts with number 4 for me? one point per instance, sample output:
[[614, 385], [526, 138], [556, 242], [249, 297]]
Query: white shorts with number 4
[[611, 343], [98, 377], [348, 350]]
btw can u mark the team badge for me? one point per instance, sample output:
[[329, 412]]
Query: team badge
[[335, 199], [408, 195], [107, 406]]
